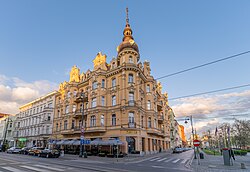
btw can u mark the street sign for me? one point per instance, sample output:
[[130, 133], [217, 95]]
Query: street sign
[[85, 142], [197, 143]]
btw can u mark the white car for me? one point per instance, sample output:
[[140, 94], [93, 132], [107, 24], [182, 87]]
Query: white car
[[14, 150]]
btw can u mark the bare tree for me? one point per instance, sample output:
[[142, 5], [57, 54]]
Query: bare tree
[[241, 133]]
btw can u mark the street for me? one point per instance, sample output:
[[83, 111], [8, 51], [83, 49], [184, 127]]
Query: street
[[158, 162]]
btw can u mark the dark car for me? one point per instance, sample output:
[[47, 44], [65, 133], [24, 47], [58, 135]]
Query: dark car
[[49, 153], [25, 150], [14, 150], [35, 151], [177, 150], [1, 148]]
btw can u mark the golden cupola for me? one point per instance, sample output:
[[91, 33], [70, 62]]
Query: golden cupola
[[128, 40]]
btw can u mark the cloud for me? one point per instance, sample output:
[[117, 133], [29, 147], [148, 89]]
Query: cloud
[[15, 92], [209, 111]]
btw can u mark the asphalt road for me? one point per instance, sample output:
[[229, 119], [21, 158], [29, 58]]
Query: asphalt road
[[160, 162]]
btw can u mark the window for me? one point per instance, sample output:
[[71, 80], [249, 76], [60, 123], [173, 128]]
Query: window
[[94, 85], [92, 121], [142, 122], [56, 126], [10, 125], [81, 107], [74, 108], [58, 113], [47, 130], [65, 125], [103, 83], [155, 124], [130, 78], [113, 82], [103, 101], [113, 100], [148, 105], [73, 124], [114, 120], [131, 99], [67, 109], [60, 126], [75, 93], [68, 94], [130, 59], [131, 119], [149, 122], [49, 118], [80, 123], [147, 88], [93, 102], [102, 120], [50, 105]]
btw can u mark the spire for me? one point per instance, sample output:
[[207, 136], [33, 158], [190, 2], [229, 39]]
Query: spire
[[127, 33], [127, 19]]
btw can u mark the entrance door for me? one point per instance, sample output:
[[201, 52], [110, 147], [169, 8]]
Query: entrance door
[[131, 144]]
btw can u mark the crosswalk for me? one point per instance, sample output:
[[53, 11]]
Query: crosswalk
[[167, 160], [35, 168]]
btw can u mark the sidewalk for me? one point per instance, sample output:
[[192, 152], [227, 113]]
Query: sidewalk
[[212, 163], [128, 158]]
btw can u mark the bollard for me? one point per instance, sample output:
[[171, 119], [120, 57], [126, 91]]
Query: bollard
[[242, 166]]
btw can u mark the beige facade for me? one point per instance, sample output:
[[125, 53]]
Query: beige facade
[[123, 101]]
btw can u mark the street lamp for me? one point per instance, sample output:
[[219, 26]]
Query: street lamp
[[82, 98], [191, 119]]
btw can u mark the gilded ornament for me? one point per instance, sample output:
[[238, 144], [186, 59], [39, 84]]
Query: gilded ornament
[[74, 74]]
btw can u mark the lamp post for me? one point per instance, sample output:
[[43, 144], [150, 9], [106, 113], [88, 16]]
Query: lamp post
[[82, 99], [191, 120]]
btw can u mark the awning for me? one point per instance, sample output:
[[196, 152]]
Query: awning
[[76, 142], [61, 142], [106, 142]]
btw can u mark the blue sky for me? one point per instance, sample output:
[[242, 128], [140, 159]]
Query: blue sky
[[42, 40]]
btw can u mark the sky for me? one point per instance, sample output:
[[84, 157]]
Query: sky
[[41, 40]]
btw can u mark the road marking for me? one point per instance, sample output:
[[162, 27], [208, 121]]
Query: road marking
[[154, 159], [162, 159], [35, 169], [169, 160], [184, 161], [176, 161], [12, 169], [51, 168], [157, 166]]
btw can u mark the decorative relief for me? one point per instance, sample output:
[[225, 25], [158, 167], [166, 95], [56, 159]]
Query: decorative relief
[[100, 61], [74, 74]]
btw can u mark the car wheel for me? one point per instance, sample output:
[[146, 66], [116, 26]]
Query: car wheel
[[47, 156]]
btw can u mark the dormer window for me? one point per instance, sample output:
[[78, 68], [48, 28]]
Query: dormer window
[[113, 65]]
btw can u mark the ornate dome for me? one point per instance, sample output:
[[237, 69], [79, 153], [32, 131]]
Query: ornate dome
[[128, 40]]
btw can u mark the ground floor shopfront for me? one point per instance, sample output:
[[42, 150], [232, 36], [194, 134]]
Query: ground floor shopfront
[[135, 142], [32, 142]]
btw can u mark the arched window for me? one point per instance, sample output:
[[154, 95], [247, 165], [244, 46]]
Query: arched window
[[68, 94], [148, 88], [131, 99], [103, 83], [149, 105], [114, 120], [92, 121], [67, 109], [103, 101], [130, 59], [130, 78], [93, 102], [73, 124], [131, 120]]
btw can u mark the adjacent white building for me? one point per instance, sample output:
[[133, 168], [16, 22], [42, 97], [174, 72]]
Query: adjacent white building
[[7, 130], [33, 125]]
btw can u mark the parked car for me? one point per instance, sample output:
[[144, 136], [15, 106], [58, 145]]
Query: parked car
[[49, 153], [14, 150], [35, 151], [25, 150], [1, 148], [177, 150]]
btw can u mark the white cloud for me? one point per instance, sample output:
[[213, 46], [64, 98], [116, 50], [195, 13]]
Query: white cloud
[[209, 111], [15, 92]]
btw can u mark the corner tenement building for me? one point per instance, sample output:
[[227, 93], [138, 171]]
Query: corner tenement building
[[123, 101]]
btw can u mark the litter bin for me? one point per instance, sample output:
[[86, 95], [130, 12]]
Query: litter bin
[[226, 156], [201, 155]]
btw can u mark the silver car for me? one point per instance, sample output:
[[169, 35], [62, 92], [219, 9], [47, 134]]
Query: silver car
[[14, 150]]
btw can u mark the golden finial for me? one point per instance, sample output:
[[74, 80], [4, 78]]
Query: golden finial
[[127, 20]]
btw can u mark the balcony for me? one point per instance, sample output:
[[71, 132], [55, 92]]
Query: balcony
[[153, 131], [160, 118], [131, 103], [81, 97], [159, 106], [66, 132], [48, 109], [78, 113], [95, 129]]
